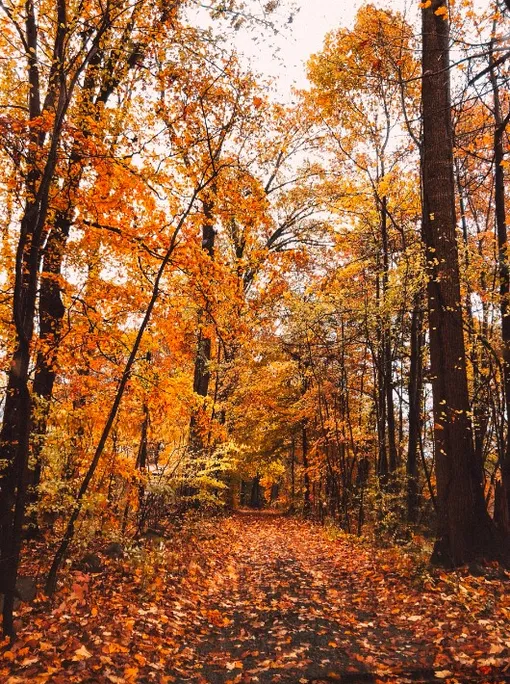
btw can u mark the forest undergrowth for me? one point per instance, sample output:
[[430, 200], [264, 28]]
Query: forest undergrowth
[[261, 597]]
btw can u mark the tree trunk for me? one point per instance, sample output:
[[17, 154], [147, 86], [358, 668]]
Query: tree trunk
[[292, 472], [386, 365], [141, 459], [16, 424], [202, 375], [307, 507], [464, 526], [380, 396], [415, 422], [502, 508], [51, 314], [255, 493]]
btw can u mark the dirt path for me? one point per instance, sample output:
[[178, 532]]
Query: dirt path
[[262, 598], [290, 606]]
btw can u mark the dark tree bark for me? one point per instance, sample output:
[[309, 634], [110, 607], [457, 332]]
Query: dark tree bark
[[380, 397], [307, 504], [292, 472], [361, 483], [16, 423], [415, 400], [502, 506], [51, 314], [141, 459], [387, 366], [15, 431], [256, 493], [202, 374], [464, 527]]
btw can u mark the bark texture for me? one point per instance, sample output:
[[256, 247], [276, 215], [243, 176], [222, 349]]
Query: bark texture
[[464, 527]]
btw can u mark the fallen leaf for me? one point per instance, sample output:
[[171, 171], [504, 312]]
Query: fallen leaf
[[81, 653]]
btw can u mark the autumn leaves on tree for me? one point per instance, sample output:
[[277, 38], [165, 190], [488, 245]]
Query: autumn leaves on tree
[[209, 298]]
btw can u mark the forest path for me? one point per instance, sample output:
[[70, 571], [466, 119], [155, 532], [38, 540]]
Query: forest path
[[263, 598], [282, 603]]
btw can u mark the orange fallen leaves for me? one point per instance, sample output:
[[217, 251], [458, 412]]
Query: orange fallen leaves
[[115, 648], [216, 618], [267, 598], [236, 665]]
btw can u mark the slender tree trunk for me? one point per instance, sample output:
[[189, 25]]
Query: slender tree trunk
[[387, 365], [380, 397], [415, 421], [292, 472], [141, 459], [464, 527], [479, 408], [361, 483], [307, 505], [502, 507], [202, 374]]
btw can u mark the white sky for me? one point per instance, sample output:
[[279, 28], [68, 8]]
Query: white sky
[[284, 56]]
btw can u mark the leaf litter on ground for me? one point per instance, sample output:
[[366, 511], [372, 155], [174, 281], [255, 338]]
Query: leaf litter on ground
[[264, 598]]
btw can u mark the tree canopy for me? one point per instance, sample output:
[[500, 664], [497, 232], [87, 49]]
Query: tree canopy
[[213, 299]]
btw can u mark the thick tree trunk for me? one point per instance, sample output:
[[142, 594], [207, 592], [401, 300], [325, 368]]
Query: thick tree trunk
[[15, 430], [16, 424], [51, 314], [464, 527], [14, 438]]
